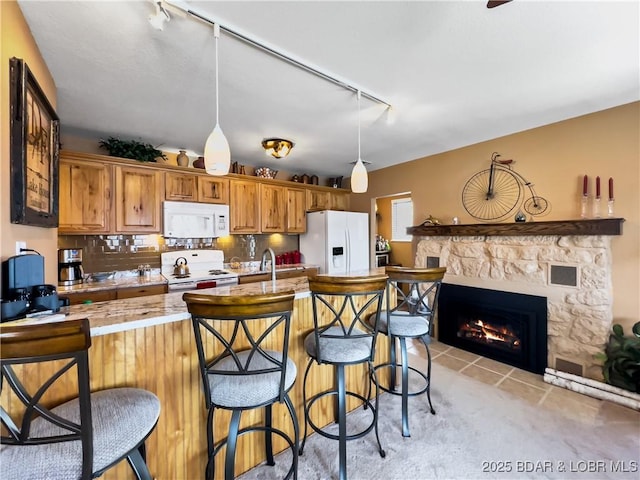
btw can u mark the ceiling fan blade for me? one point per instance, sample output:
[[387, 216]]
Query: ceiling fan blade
[[496, 3]]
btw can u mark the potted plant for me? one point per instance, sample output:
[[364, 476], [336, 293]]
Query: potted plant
[[621, 367], [132, 149]]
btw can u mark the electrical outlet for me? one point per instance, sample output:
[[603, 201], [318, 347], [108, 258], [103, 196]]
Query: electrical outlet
[[20, 245]]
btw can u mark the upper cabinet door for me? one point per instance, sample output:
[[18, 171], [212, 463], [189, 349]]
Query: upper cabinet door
[[296, 210], [138, 199], [180, 186], [318, 200], [85, 197], [273, 208], [213, 189], [244, 206], [339, 201]]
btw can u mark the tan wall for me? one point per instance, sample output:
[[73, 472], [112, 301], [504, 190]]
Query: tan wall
[[16, 41], [554, 157], [401, 252]]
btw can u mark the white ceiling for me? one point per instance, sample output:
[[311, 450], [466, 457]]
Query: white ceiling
[[456, 73]]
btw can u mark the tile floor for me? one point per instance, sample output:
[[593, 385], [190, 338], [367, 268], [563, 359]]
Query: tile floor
[[529, 386]]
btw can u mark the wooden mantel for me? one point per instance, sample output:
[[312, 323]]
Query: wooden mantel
[[599, 226]]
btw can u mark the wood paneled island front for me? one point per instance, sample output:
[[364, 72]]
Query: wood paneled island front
[[148, 342]]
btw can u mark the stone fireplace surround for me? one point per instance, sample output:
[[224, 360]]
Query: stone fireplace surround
[[579, 317]]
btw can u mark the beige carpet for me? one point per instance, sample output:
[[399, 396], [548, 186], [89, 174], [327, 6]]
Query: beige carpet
[[478, 432]]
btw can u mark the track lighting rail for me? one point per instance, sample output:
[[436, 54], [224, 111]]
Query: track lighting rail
[[184, 7]]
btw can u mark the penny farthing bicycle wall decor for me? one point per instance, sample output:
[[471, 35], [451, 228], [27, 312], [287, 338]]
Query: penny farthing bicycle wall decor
[[492, 194]]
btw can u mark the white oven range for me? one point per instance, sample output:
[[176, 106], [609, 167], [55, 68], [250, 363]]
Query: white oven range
[[206, 269]]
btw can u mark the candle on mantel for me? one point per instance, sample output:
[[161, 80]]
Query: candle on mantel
[[585, 186], [597, 187], [610, 188]]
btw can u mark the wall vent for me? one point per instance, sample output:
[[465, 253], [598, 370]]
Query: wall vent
[[564, 275], [569, 367]]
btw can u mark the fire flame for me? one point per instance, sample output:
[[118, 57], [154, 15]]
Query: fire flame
[[488, 333]]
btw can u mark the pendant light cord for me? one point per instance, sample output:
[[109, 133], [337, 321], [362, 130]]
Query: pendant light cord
[[216, 34], [359, 156]]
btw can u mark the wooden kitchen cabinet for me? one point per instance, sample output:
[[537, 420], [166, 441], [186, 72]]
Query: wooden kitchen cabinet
[[318, 200], [296, 210], [85, 197], [265, 277], [114, 294], [180, 187], [339, 201], [273, 208], [244, 206], [213, 190], [90, 297], [138, 201], [140, 291], [306, 272]]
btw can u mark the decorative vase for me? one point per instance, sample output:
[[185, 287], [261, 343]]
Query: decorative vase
[[199, 162], [183, 159]]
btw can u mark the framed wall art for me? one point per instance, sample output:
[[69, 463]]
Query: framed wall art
[[34, 150]]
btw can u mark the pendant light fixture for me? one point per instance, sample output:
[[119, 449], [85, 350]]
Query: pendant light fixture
[[217, 155], [359, 178]]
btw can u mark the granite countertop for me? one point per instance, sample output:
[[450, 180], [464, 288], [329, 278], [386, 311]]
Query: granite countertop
[[131, 280], [253, 268], [117, 281], [139, 312]]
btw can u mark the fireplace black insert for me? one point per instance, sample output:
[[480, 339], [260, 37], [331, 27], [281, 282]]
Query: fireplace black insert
[[508, 327]]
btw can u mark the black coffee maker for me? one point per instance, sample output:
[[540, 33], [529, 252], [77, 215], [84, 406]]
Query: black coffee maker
[[23, 289]]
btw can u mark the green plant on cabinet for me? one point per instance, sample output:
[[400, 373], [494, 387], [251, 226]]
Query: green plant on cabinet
[[132, 149]]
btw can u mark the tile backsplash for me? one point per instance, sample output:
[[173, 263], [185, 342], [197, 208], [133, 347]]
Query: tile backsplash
[[103, 253]]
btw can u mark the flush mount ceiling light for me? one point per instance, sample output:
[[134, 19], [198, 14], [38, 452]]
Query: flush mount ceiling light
[[359, 177], [157, 19], [277, 147], [217, 155]]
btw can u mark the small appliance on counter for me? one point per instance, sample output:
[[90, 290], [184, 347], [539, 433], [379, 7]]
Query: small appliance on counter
[[70, 270], [24, 291]]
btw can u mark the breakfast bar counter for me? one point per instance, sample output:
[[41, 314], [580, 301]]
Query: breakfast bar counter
[[147, 342]]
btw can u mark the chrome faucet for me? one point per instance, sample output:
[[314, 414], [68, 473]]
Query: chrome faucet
[[263, 263]]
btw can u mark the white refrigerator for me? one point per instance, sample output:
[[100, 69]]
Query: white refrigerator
[[337, 242]]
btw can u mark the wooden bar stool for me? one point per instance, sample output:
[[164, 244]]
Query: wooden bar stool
[[342, 337], [243, 344], [83, 437], [411, 316]]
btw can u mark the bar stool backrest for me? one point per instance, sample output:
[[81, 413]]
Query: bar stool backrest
[[416, 289], [225, 326], [66, 344], [341, 306]]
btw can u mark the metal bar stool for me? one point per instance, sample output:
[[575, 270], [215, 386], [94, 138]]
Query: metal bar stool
[[342, 337], [416, 291], [81, 438], [243, 344]]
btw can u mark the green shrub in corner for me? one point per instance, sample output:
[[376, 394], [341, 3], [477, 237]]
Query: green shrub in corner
[[621, 367], [132, 149]]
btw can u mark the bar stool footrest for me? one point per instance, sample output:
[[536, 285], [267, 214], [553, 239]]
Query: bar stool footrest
[[395, 391], [260, 428], [367, 404]]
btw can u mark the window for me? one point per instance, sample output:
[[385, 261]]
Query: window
[[401, 218]]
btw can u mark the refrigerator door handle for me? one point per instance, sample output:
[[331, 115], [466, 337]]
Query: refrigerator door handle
[[348, 242]]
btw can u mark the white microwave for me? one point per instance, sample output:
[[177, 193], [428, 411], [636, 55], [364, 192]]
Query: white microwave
[[195, 220]]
